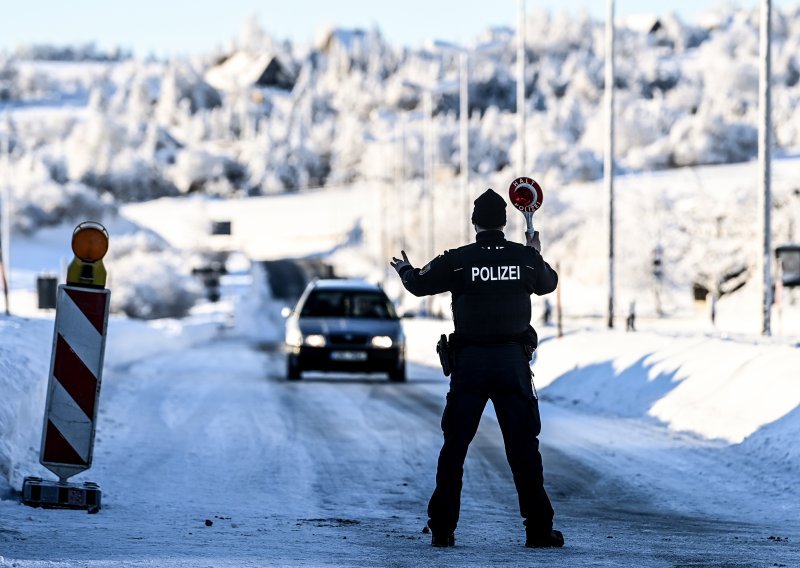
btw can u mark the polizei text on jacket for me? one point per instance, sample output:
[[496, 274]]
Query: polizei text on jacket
[[487, 273]]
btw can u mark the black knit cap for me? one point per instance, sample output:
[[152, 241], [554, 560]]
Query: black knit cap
[[490, 210]]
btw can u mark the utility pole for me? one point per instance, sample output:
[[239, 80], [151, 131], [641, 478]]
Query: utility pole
[[3, 280], [558, 303], [521, 90], [464, 142], [608, 162], [428, 165], [5, 216], [429, 184], [764, 162], [383, 207], [403, 204]]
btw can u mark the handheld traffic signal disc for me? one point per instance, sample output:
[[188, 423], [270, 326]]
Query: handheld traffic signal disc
[[525, 194]]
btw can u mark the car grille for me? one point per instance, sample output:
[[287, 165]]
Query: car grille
[[348, 339]]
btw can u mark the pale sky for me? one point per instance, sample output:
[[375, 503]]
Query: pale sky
[[180, 27]]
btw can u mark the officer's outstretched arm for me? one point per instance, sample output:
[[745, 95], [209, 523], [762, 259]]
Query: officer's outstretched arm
[[433, 278], [548, 280], [542, 279]]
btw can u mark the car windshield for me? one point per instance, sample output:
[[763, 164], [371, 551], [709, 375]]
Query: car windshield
[[348, 304]]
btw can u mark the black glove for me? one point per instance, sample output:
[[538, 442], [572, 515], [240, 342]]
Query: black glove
[[533, 241], [400, 264]]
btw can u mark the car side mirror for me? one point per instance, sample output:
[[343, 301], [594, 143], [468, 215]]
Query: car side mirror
[[286, 311], [407, 315]]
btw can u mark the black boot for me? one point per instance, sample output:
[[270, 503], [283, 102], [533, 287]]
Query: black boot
[[551, 539], [443, 540]]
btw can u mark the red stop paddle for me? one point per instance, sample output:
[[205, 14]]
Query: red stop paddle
[[526, 195]]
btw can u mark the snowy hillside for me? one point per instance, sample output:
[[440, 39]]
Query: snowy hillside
[[266, 117]]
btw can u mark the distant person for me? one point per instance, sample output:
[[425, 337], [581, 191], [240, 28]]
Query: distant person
[[630, 322], [491, 282], [548, 312], [714, 309]]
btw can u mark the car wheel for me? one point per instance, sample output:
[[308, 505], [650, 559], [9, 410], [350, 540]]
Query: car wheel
[[398, 375], [292, 369]]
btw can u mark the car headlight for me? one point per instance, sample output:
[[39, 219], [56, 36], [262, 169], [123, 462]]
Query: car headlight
[[382, 341], [315, 340]]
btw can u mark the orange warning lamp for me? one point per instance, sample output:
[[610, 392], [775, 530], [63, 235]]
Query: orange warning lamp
[[90, 245]]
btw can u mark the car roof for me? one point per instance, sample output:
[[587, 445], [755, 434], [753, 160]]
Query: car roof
[[345, 284]]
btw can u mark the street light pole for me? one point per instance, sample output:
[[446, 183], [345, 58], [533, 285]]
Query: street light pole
[[764, 162], [608, 162], [403, 186], [428, 173], [464, 141], [5, 215], [521, 90], [3, 280], [383, 207]]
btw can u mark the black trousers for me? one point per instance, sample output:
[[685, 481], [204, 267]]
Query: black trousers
[[500, 373]]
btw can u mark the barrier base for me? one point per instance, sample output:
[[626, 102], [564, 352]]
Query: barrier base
[[38, 492]]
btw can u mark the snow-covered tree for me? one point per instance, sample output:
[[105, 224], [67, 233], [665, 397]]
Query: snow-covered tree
[[150, 279], [150, 129]]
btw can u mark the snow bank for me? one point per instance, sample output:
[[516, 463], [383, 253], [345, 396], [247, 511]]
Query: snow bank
[[714, 387], [257, 313], [24, 363]]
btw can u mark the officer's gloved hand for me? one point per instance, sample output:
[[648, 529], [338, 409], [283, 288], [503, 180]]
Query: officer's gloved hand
[[400, 264], [533, 241]]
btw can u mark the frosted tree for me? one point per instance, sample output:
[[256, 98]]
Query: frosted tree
[[150, 279]]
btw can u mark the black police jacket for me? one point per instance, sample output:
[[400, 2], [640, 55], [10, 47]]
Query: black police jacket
[[491, 281]]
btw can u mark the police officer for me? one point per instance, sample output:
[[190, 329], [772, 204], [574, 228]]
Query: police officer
[[491, 282]]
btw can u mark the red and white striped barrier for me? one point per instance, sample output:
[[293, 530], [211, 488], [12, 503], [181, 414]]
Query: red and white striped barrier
[[76, 369]]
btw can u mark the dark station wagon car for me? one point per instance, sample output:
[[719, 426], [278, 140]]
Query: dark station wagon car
[[346, 326]]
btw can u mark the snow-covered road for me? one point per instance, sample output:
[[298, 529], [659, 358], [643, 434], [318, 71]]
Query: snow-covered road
[[336, 471]]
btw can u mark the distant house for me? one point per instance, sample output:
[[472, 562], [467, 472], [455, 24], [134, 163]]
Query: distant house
[[643, 23], [339, 38], [668, 30], [347, 50], [243, 70]]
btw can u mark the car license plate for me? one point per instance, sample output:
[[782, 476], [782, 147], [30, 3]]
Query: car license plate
[[349, 355]]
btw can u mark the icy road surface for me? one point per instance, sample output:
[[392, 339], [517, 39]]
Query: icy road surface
[[337, 471]]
